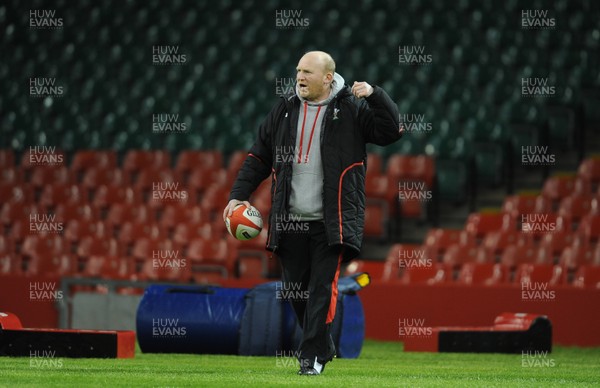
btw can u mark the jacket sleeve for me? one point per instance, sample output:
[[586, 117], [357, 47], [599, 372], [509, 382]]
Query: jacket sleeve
[[258, 163], [379, 118]]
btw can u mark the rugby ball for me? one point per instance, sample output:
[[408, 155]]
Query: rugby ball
[[244, 223]]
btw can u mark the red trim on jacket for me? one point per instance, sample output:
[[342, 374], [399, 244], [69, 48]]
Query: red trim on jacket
[[256, 157], [340, 194], [274, 191], [334, 291]]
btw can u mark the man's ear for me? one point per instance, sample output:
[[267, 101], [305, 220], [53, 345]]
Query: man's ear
[[328, 78]]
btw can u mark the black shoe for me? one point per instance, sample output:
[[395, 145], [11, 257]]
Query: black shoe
[[310, 367], [308, 372]]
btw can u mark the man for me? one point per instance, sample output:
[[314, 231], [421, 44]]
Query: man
[[313, 145]]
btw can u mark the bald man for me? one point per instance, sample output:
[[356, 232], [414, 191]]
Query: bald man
[[313, 144]]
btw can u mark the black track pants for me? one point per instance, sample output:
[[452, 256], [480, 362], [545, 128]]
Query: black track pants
[[309, 264]]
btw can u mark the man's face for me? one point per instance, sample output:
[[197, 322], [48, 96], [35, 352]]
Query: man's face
[[313, 82]]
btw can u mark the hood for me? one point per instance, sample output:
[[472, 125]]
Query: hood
[[337, 85]]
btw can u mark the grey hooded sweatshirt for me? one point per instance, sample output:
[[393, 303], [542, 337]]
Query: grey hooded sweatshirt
[[306, 199]]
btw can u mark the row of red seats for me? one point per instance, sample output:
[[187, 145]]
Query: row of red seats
[[51, 254], [488, 274], [134, 160], [556, 229], [202, 173], [513, 255], [199, 179]]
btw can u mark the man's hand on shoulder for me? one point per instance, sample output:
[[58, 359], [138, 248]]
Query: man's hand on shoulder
[[361, 89]]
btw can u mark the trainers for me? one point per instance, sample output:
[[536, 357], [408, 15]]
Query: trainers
[[308, 372], [310, 367]]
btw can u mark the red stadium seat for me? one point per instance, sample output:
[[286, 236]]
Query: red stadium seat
[[587, 276], [488, 274], [168, 194], [46, 175], [185, 232], [516, 205], [16, 193], [596, 255], [137, 160], [76, 230], [17, 230], [539, 225], [107, 196], [251, 268], [214, 200], [558, 187], [17, 211], [149, 177], [107, 267], [7, 158], [263, 204], [97, 246], [11, 175], [583, 187], [54, 194], [7, 245], [178, 271], [43, 263], [575, 206], [374, 164], [119, 213], [391, 268], [146, 248], [200, 180], [131, 231], [211, 253], [377, 186], [595, 204], [209, 275], [434, 274], [458, 254], [92, 159], [252, 258], [557, 241], [576, 256], [52, 244], [74, 211], [46, 157], [172, 215], [376, 221], [589, 169], [540, 273], [439, 240], [202, 160], [497, 241], [236, 160], [8, 264], [545, 254], [96, 177], [515, 255], [590, 227], [412, 168], [479, 224]]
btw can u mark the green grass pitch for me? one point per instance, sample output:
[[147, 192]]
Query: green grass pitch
[[381, 364]]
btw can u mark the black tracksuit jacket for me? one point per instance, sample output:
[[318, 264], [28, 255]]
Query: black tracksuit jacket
[[349, 124]]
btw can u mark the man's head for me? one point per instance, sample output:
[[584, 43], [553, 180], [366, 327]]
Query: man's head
[[314, 75]]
